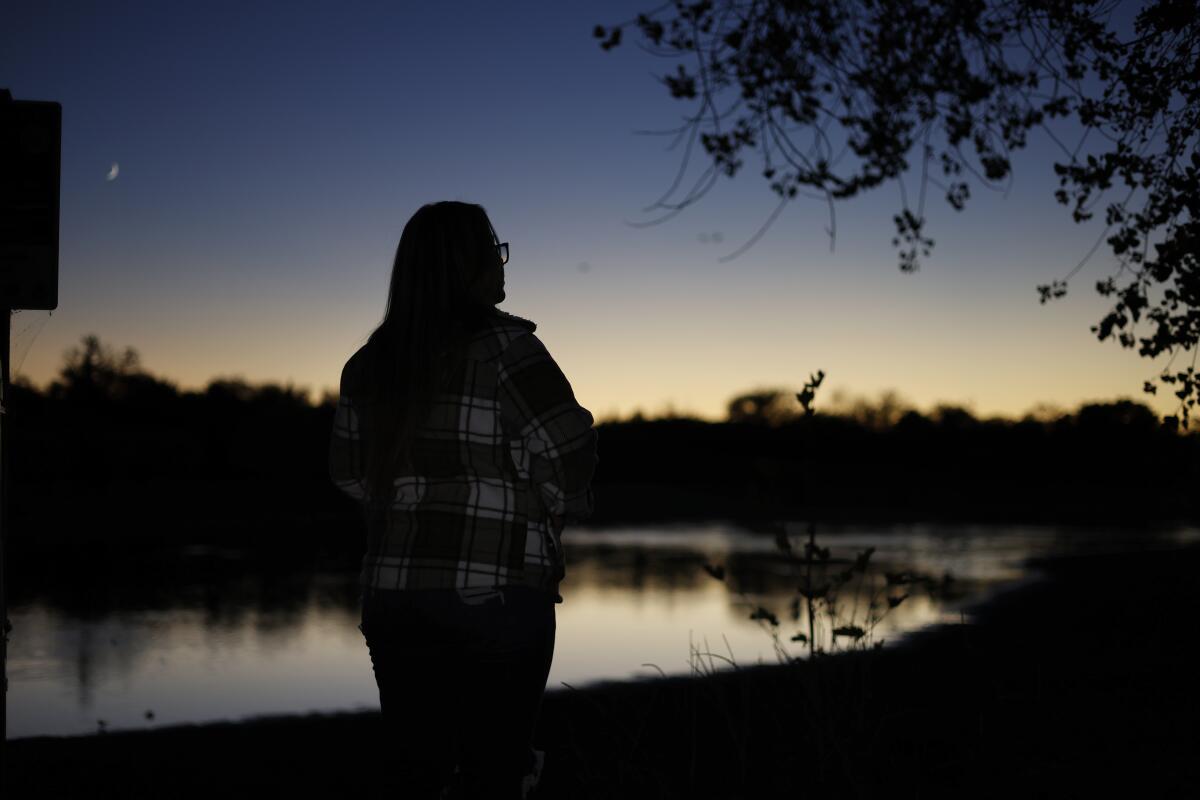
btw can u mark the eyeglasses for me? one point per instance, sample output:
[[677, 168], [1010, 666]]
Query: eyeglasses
[[502, 249]]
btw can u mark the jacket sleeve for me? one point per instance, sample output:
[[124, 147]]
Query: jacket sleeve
[[550, 435], [346, 461]]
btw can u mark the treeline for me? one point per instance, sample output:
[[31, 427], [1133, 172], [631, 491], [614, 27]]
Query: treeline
[[1105, 463], [109, 455]]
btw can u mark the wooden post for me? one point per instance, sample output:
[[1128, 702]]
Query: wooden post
[[30, 169], [5, 353]]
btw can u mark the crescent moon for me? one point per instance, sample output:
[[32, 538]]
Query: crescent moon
[[113, 172]]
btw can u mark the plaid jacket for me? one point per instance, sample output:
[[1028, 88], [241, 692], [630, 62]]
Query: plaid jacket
[[508, 448]]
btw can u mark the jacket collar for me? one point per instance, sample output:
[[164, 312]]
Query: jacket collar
[[514, 319]]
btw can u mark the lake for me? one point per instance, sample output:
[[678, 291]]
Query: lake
[[213, 638]]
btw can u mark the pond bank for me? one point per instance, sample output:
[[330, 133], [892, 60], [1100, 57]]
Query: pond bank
[[1065, 686]]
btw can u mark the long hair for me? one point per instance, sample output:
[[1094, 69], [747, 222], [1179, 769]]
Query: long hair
[[431, 311]]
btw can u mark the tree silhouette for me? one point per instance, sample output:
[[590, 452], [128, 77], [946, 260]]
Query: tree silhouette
[[771, 407], [889, 75], [92, 372]]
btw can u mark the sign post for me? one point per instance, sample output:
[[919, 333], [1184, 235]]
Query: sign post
[[30, 165]]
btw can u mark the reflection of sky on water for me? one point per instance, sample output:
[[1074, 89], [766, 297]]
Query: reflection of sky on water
[[234, 644]]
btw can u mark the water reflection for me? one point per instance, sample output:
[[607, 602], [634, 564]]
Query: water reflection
[[203, 635]]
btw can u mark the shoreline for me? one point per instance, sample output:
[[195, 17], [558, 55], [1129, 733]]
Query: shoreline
[[240, 520], [1077, 678]]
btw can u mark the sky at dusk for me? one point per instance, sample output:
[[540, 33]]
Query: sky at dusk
[[270, 155]]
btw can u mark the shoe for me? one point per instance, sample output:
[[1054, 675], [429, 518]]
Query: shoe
[[530, 781]]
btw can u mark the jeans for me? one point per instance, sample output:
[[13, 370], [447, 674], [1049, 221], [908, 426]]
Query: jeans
[[461, 675]]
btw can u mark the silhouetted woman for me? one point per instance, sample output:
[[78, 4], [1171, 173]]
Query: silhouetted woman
[[462, 440]]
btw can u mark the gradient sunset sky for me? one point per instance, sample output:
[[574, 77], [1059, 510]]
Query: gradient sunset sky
[[271, 154]]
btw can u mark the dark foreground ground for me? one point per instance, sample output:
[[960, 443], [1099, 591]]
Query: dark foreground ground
[[1080, 684]]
